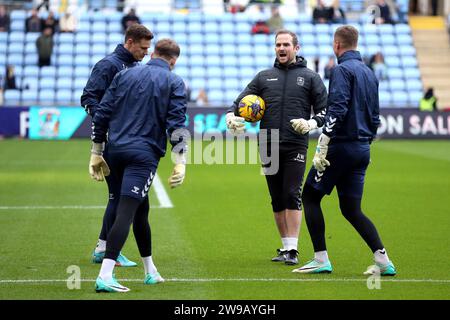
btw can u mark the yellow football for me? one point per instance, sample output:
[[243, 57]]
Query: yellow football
[[251, 108]]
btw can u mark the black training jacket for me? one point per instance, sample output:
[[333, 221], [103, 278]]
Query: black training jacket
[[289, 93]]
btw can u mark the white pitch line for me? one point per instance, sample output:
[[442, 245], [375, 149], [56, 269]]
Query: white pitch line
[[442, 281], [87, 207], [161, 194]]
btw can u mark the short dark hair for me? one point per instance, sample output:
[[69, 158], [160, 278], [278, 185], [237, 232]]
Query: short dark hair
[[137, 32], [167, 48], [348, 36], [285, 31]]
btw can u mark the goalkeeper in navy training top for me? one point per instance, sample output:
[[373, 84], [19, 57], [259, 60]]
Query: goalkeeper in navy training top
[[343, 154], [291, 93], [142, 107], [127, 55]]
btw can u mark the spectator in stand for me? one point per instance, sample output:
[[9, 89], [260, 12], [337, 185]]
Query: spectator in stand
[[429, 101], [33, 23], [44, 44], [378, 66], [202, 98], [384, 14], [322, 13], [130, 19], [275, 21], [68, 22], [10, 78], [329, 67], [4, 20], [260, 27], [338, 13], [50, 22]]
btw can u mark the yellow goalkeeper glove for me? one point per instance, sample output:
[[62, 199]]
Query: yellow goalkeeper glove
[[98, 168], [179, 170], [319, 161]]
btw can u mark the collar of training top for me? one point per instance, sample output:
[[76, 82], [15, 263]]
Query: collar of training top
[[124, 54], [351, 54], [159, 62], [299, 63]]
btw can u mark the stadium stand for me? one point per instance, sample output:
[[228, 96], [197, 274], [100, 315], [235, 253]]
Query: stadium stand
[[218, 52]]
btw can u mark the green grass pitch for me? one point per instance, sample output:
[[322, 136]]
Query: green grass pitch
[[217, 240]]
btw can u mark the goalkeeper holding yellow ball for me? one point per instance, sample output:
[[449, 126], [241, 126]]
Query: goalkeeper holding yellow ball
[[290, 91]]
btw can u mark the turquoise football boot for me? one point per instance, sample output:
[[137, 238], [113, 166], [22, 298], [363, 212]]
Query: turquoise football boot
[[315, 266], [383, 270], [122, 261], [153, 278], [109, 286], [97, 257]]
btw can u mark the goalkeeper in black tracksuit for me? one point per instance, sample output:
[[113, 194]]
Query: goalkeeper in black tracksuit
[[290, 90]]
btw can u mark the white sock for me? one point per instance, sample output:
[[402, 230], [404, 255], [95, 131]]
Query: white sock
[[107, 269], [381, 257], [321, 256], [285, 243], [291, 243], [149, 266], [101, 246]]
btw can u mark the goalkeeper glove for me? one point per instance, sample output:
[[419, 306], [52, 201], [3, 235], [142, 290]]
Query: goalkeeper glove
[[303, 126], [236, 125], [179, 170], [319, 161], [98, 168]]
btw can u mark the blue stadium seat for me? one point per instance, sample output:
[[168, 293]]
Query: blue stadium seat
[[307, 39], [183, 72], [29, 97], [46, 96], [214, 72], [31, 37], [246, 72], [64, 96], [231, 84], [210, 27], [226, 27], [98, 38], [196, 38], [214, 61], [228, 39], [17, 25], [196, 61], [80, 83], [64, 71], [400, 99], [407, 50], [213, 50], [82, 60], [30, 48], [15, 59], [326, 50], [368, 29], [384, 98], [388, 39], [82, 37], [210, 38], [228, 50], [324, 39], [47, 83], [411, 73], [385, 29], [404, 39], [178, 27], [64, 60], [246, 61], [12, 97], [402, 29], [20, 15], [113, 27], [413, 85], [322, 29], [84, 27], [261, 39], [31, 71], [306, 28], [194, 27], [98, 17], [371, 39], [99, 49], [68, 38], [395, 73], [214, 84], [384, 85], [230, 72], [98, 27], [215, 96], [48, 71], [31, 81], [264, 62], [114, 17], [408, 62], [247, 50], [397, 85], [198, 72], [15, 48], [392, 61], [66, 48], [16, 36], [18, 70], [198, 83], [414, 98], [95, 58], [309, 51], [390, 50], [64, 83], [231, 95], [82, 48]]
